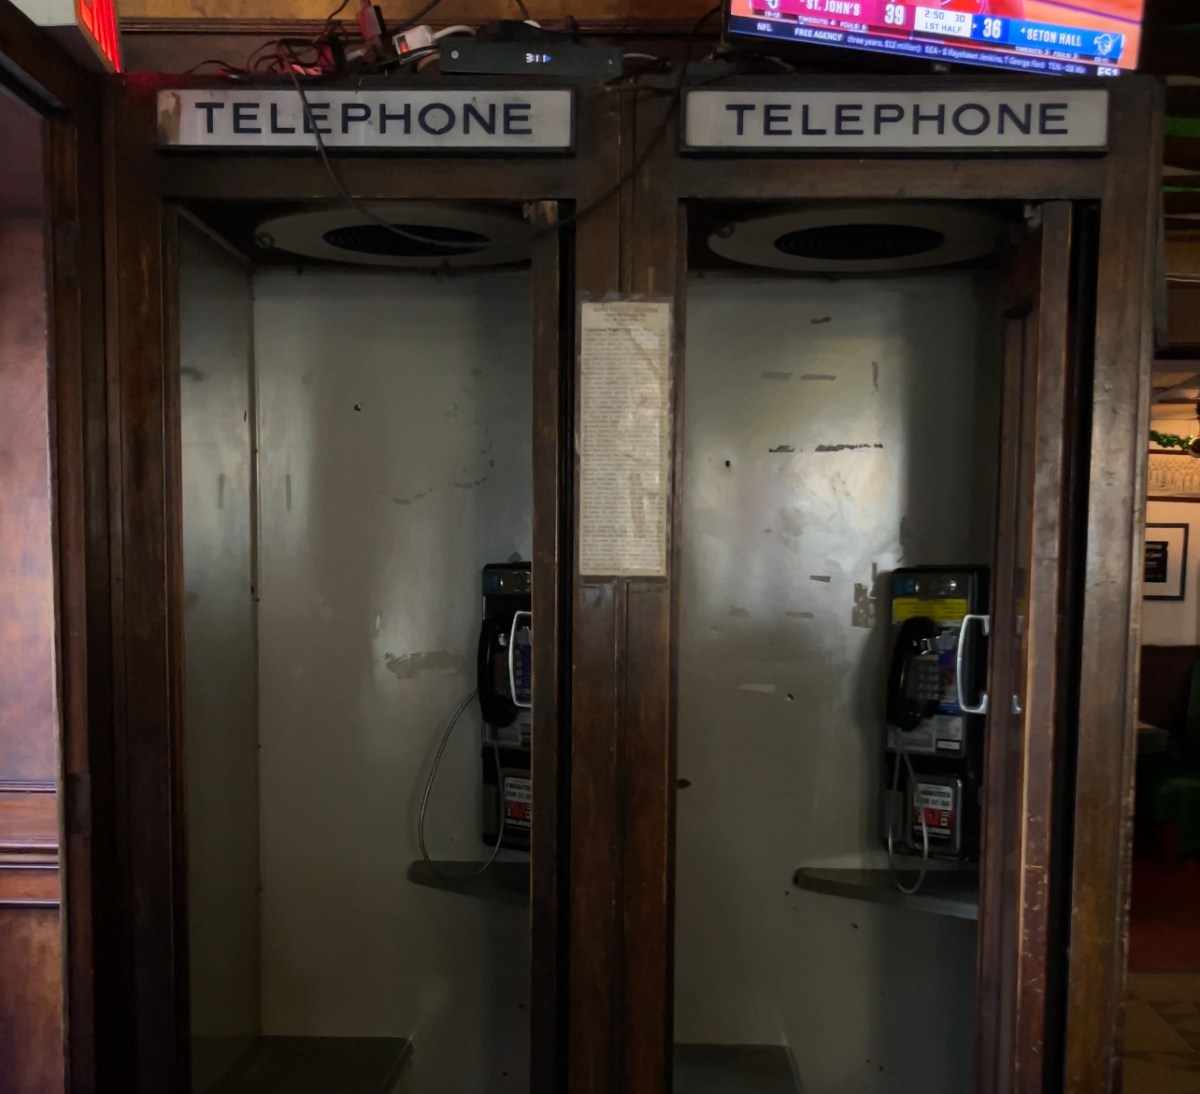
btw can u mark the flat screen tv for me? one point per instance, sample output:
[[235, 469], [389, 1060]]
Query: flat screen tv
[[1075, 38]]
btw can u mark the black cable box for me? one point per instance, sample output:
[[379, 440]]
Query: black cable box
[[545, 57]]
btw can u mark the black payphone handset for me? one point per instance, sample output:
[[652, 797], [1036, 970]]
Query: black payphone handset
[[934, 751], [502, 668], [505, 680], [495, 700]]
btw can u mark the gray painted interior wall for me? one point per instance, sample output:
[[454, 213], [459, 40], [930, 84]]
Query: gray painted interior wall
[[394, 433], [221, 716], [396, 430], [394, 423], [782, 663]]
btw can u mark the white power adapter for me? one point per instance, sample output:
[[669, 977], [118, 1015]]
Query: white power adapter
[[413, 39]]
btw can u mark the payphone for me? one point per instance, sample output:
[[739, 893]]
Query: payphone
[[936, 712], [505, 700]]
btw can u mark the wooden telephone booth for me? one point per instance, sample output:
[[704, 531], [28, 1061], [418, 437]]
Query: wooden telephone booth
[[834, 420], [279, 470], [418, 411], [175, 787]]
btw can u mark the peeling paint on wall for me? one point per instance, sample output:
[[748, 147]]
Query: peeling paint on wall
[[863, 613], [844, 447], [818, 376], [409, 666], [415, 497]]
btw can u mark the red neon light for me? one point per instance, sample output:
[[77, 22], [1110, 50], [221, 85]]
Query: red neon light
[[99, 18]]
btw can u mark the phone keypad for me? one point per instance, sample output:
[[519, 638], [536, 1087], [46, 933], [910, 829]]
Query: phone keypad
[[929, 681]]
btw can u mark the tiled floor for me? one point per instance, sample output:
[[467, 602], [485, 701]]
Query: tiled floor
[[1162, 1034]]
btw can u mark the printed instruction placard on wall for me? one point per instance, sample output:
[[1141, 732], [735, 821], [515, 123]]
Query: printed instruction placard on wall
[[625, 436]]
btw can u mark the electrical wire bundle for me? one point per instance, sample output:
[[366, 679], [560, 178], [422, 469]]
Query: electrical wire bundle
[[288, 61], [304, 59]]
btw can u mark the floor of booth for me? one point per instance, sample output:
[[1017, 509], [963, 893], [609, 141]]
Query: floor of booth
[[1162, 1034]]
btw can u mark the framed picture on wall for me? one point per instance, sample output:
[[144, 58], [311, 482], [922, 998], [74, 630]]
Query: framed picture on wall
[[1166, 562]]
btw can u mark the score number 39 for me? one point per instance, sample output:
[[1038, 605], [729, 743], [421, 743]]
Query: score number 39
[[893, 15]]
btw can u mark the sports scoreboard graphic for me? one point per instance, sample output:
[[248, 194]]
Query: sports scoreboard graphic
[[1088, 38]]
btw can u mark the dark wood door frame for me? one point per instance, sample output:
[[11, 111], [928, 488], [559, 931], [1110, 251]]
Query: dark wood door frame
[[1117, 446], [36, 70], [1022, 747], [627, 654], [144, 187]]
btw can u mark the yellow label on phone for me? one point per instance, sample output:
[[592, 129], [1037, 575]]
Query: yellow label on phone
[[937, 609]]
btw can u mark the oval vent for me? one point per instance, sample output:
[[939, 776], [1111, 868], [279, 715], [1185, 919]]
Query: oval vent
[[428, 234]]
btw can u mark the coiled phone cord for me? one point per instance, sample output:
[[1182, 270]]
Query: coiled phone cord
[[912, 775], [437, 761]]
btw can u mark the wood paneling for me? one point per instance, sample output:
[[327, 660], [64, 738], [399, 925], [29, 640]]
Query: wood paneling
[[28, 739], [648, 740], [32, 884], [30, 1001], [147, 602], [31, 1029], [597, 624], [80, 482], [1163, 45], [397, 11], [830, 179], [39, 71], [552, 539], [1027, 662], [28, 820], [1112, 598]]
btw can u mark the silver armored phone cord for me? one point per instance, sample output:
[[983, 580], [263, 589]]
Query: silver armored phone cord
[[437, 761]]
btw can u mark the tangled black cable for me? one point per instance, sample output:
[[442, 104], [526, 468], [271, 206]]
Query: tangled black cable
[[606, 195]]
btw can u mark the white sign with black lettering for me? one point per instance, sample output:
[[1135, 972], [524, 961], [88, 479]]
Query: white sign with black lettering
[[469, 121], [913, 121]]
